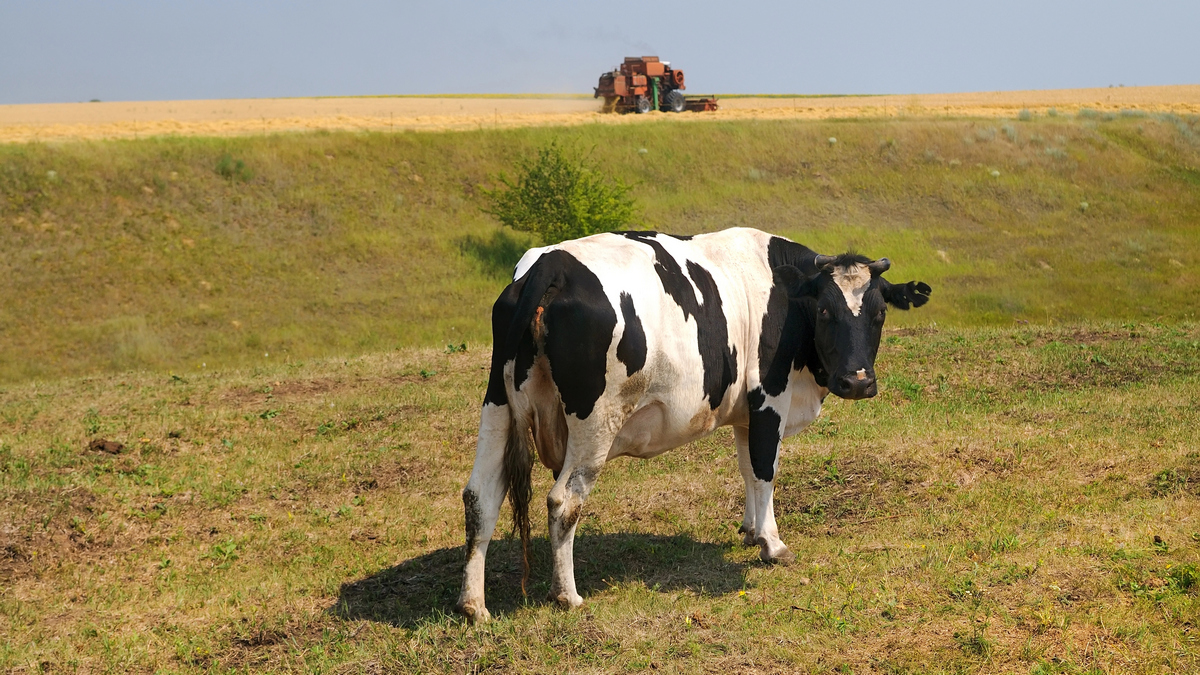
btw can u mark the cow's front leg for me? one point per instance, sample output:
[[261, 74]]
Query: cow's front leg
[[763, 437], [741, 440], [565, 506], [482, 499]]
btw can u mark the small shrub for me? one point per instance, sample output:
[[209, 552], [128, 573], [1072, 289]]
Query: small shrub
[[559, 196], [1088, 113], [233, 169], [1010, 131], [1025, 115], [1053, 112]]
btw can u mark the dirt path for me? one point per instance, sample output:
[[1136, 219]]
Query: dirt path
[[69, 121]]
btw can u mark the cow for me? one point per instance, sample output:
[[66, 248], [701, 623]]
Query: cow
[[633, 343]]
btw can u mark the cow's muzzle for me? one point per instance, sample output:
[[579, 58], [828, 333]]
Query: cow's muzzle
[[854, 385]]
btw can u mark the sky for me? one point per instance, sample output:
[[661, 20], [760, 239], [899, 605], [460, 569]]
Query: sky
[[63, 50]]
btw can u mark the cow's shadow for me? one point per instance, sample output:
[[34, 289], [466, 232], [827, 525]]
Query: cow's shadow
[[427, 586]]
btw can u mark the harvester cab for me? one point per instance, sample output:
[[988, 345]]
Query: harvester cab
[[643, 83]]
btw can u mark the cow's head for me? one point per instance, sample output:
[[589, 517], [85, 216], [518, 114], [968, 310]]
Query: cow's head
[[848, 298]]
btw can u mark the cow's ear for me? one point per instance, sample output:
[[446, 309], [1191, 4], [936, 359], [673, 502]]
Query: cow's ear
[[902, 296], [794, 282]]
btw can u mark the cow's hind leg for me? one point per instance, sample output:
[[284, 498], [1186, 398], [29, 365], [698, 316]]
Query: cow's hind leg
[[564, 505], [482, 499], [741, 439]]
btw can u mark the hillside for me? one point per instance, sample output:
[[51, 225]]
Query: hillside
[[153, 254]]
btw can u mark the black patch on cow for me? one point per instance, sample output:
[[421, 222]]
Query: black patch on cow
[[473, 516], [787, 339], [780, 251], [763, 435], [502, 318], [631, 350], [712, 330], [565, 302], [579, 323], [643, 234], [712, 335]]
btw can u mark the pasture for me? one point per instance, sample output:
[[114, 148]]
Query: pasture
[[1015, 500], [253, 320]]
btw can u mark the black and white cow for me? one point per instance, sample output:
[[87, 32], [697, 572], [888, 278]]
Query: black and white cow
[[630, 344]]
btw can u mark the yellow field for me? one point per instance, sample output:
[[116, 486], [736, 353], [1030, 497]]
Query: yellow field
[[67, 121]]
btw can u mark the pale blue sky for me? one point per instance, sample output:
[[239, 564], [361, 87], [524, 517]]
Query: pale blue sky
[[60, 50]]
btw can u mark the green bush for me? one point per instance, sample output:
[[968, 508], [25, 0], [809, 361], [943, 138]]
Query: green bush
[[233, 169], [559, 195]]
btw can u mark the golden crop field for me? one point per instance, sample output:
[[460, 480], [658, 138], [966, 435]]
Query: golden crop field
[[66, 121]]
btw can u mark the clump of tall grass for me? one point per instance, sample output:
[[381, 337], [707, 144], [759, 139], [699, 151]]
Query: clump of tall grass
[[233, 169]]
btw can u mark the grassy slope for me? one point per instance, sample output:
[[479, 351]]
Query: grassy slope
[[993, 510], [137, 254]]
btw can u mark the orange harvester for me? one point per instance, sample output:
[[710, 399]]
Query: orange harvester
[[643, 83]]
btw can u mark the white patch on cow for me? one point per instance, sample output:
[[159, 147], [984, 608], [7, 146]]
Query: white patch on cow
[[531, 256], [854, 282]]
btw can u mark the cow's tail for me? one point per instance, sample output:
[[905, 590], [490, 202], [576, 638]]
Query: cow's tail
[[518, 472], [539, 288]]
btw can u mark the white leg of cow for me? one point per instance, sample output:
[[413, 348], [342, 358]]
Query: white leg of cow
[[482, 499], [741, 439], [771, 547], [564, 505]]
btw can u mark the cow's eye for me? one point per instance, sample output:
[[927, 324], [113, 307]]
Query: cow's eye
[[880, 315], [823, 312]]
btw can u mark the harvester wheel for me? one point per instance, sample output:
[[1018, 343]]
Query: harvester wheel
[[674, 101], [642, 105]]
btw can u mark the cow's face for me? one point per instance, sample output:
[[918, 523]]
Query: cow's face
[[851, 305]]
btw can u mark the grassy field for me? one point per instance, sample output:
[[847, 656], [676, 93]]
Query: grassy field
[[254, 320], [1015, 500], [154, 254]]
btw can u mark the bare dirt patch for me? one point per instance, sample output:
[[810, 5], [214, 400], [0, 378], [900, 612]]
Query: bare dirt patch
[[237, 117]]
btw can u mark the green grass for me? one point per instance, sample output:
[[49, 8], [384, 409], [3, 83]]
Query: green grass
[[185, 254], [1015, 500]]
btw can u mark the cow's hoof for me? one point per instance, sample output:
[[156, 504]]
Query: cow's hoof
[[475, 612], [567, 601], [748, 538], [781, 555]]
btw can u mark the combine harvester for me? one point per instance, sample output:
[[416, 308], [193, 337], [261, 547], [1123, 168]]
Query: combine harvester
[[643, 83]]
